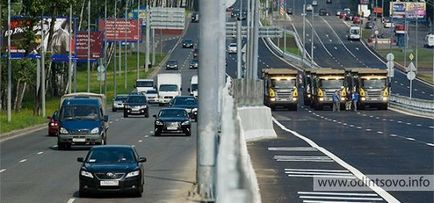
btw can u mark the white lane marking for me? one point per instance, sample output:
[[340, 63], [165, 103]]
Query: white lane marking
[[54, 146], [337, 193], [140, 140], [431, 127], [341, 198], [351, 125], [335, 48], [379, 132], [340, 122], [302, 149], [384, 119], [408, 123], [302, 157], [323, 201], [377, 117], [315, 170], [146, 135], [71, 200], [40, 153], [24, 160], [402, 84], [380, 191], [3, 170], [357, 48], [399, 121], [319, 173], [371, 116], [409, 138], [368, 129], [321, 176], [151, 132], [418, 125], [430, 144], [393, 135], [116, 120], [359, 127], [111, 121]]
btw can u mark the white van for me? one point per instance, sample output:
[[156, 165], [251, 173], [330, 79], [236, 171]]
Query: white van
[[143, 85], [354, 32], [193, 86], [429, 40]]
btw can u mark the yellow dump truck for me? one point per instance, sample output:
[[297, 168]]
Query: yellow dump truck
[[372, 84], [320, 85], [280, 88]]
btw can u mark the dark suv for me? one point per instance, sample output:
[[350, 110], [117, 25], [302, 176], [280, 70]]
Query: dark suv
[[136, 104]]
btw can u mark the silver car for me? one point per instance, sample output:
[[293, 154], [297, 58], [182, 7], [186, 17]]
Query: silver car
[[151, 96], [118, 102]]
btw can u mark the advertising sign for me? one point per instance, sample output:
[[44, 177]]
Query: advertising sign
[[410, 9], [364, 2], [120, 30], [20, 26], [96, 45]]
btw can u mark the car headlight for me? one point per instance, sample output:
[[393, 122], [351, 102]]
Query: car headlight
[[158, 123], [143, 107], [126, 106], [185, 123], [63, 131], [86, 174], [132, 174], [94, 131], [194, 110]]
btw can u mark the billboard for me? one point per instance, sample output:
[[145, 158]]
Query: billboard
[[120, 30], [364, 2], [96, 45], [410, 10], [20, 27]]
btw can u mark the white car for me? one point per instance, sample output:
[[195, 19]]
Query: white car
[[314, 3], [118, 102], [151, 96], [232, 48], [309, 7]]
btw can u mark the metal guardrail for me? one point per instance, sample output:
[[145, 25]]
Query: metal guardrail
[[416, 106]]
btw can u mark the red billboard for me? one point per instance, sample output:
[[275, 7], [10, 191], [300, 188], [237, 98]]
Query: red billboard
[[96, 45], [120, 30]]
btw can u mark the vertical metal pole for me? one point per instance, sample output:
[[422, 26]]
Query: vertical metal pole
[[255, 39], [417, 39], [284, 42], [125, 48], [221, 52], [120, 55], [9, 104], [248, 65], [208, 93], [304, 32], [153, 45], [148, 28], [405, 39], [138, 39], [38, 75], [69, 51], [312, 37], [42, 67], [115, 85], [239, 47], [88, 46], [105, 49], [411, 86], [382, 9]]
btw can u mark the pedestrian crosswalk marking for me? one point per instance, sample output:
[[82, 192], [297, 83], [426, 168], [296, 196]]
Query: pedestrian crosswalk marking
[[303, 149]]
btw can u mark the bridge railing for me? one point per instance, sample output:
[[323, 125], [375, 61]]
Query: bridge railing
[[417, 106]]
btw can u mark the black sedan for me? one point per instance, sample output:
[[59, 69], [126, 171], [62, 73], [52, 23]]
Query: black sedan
[[172, 65], [136, 104], [194, 64], [111, 168], [172, 121], [187, 43], [189, 103]]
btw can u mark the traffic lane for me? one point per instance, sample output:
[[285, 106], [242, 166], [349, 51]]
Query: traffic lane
[[285, 179], [422, 90], [367, 150], [39, 176]]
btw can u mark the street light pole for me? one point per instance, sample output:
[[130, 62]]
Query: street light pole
[[69, 51], [312, 38], [125, 48], [88, 46], [138, 39], [9, 104], [304, 31], [114, 60]]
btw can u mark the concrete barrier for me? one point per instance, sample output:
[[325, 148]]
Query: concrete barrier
[[256, 123]]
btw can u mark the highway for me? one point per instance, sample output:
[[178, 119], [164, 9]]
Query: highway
[[332, 49], [33, 170]]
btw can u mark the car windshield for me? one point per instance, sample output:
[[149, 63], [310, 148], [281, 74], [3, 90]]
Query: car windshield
[[355, 31], [331, 84], [194, 61], [151, 92], [279, 84], [171, 62], [189, 101], [121, 98], [111, 156], [179, 113], [136, 99], [194, 87], [374, 83], [169, 88], [144, 84], [79, 112]]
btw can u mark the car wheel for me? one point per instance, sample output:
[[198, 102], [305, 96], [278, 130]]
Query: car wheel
[[147, 114], [156, 134], [125, 114], [60, 146], [82, 193], [114, 109]]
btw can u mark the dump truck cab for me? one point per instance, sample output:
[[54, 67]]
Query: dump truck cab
[[325, 82], [280, 88], [372, 84]]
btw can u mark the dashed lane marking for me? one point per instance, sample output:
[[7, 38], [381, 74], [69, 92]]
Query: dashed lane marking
[[430, 144], [140, 140], [393, 135], [379, 132], [368, 129], [409, 138], [315, 170], [321, 198], [282, 158], [298, 149], [3, 170], [24, 160], [338, 194], [71, 200], [39, 153]]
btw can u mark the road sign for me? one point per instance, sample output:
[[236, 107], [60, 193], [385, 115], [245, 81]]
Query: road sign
[[411, 67], [167, 18], [391, 72], [264, 31], [100, 76], [411, 75], [411, 57], [390, 57], [390, 64], [101, 69]]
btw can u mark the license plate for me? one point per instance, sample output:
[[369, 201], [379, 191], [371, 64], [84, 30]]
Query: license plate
[[373, 99], [172, 127], [109, 183], [79, 139]]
